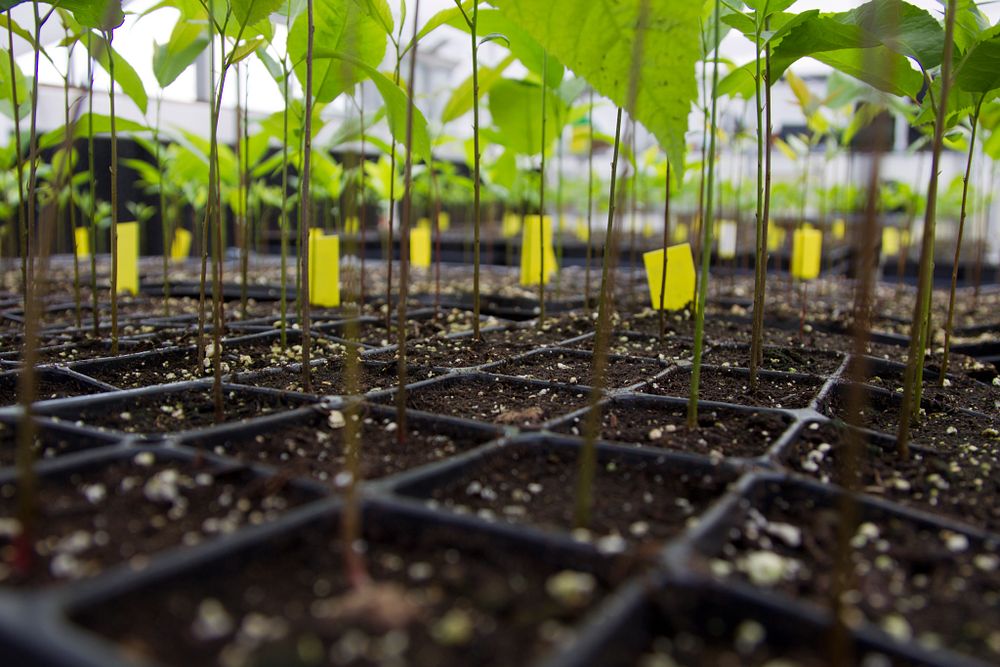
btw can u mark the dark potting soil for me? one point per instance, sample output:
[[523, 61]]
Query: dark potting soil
[[732, 386], [463, 351], [940, 428], [315, 448], [498, 401], [578, 368], [961, 485], [182, 364], [126, 510], [49, 387], [960, 391], [179, 410], [441, 596], [935, 587], [635, 504], [783, 359], [627, 343], [721, 432], [328, 377], [46, 444], [426, 326]]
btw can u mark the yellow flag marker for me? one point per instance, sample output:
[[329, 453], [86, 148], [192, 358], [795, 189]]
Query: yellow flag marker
[[680, 276], [181, 246], [324, 269], [807, 247], [535, 260], [420, 245], [82, 237], [679, 234], [444, 221], [580, 230], [511, 225], [351, 225], [727, 239], [839, 229], [775, 237], [128, 257], [647, 230], [890, 242]]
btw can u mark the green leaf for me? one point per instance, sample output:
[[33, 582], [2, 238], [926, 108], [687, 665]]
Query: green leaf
[[595, 40], [444, 17], [99, 14], [893, 75], [187, 41], [125, 75], [244, 50], [980, 70], [7, 88], [903, 28], [101, 126], [516, 109], [522, 43], [460, 101], [250, 12], [342, 27]]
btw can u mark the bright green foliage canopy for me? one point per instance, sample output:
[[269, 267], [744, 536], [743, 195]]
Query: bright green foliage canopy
[[102, 14], [595, 39], [516, 109]]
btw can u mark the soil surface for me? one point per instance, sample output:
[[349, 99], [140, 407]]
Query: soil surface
[[959, 391], [498, 401], [49, 386], [328, 378], [628, 343], [962, 485], [441, 597], [721, 432], [783, 359], [571, 367], [170, 412], [912, 580], [47, 444], [636, 504], [425, 326], [124, 511], [732, 386], [314, 446]]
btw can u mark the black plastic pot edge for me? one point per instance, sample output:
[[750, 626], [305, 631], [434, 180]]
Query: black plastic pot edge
[[709, 537]]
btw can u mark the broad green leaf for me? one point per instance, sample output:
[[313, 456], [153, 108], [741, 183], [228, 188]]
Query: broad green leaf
[[444, 17], [980, 70], [16, 29], [186, 43], [125, 75], [101, 125], [7, 89], [395, 100], [516, 109], [768, 7], [905, 29], [250, 12], [970, 23], [99, 14], [524, 45], [343, 27], [460, 101], [893, 73], [244, 50], [595, 40]]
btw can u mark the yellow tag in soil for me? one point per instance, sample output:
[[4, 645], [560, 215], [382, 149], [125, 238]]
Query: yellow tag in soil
[[890, 242], [444, 221], [351, 225], [679, 290], [82, 237], [807, 249], [679, 234], [181, 246], [775, 237], [581, 231], [324, 269], [727, 239], [511, 225], [537, 261], [647, 230], [839, 229], [128, 257], [420, 245]]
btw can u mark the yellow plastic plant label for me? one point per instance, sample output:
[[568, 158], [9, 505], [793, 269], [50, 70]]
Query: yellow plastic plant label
[[81, 235], [679, 234], [807, 249], [537, 261], [351, 225], [128, 257], [890, 242], [444, 221], [727, 239], [181, 246], [647, 230], [420, 246], [839, 229], [324, 269], [775, 237], [511, 225], [581, 231], [680, 279]]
